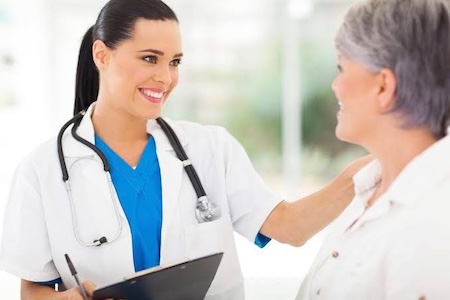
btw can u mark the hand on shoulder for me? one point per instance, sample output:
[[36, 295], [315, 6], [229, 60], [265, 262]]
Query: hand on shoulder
[[352, 168]]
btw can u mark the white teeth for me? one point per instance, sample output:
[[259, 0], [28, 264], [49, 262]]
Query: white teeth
[[341, 107], [153, 94]]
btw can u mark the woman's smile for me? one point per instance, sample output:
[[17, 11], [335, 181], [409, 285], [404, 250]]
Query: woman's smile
[[153, 95]]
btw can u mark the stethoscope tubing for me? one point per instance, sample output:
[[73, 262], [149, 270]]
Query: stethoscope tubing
[[205, 210], [62, 162], [178, 148], [76, 120]]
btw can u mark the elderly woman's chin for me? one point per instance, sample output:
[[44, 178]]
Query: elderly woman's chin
[[345, 134], [340, 131]]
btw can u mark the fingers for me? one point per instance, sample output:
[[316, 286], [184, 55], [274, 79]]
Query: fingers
[[73, 294], [357, 164], [89, 287]]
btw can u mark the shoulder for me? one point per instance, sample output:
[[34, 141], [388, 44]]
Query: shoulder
[[416, 261], [420, 228], [196, 133], [194, 129], [39, 157]]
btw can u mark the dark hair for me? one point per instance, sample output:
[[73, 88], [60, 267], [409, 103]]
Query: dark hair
[[115, 23]]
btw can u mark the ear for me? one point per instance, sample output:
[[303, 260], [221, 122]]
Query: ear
[[388, 87], [100, 54]]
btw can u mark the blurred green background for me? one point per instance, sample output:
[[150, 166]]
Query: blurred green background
[[240, 86]]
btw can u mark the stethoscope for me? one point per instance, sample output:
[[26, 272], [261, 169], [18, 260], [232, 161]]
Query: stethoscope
[[205, 211]]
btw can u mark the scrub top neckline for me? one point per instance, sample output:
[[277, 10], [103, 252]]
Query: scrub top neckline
[[136, 176]]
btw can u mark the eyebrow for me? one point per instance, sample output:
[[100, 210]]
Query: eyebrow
[[160, 52]]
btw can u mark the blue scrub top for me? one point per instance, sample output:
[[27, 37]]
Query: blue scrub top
[[140, 194]]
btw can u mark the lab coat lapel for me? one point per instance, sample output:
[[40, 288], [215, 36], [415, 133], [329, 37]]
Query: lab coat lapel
[[171, 179], [73, 148], [172, 238]]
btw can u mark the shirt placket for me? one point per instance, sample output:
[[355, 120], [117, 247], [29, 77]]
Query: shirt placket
[[334, 257]]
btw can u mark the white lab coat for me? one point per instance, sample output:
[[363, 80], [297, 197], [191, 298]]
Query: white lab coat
[[39, 225]]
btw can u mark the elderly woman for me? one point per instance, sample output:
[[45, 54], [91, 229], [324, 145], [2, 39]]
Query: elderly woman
[[393, 88]]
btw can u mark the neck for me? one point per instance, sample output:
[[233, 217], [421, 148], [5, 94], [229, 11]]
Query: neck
[[397, 149], [113, 124]]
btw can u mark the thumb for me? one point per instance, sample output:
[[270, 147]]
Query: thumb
[[89, 287]]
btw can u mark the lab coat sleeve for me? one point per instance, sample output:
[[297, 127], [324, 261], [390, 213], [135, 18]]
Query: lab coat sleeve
[[25, 250], [249, 198]]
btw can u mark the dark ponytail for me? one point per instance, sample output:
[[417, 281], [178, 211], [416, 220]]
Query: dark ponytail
[[87, 77], [115, 23]]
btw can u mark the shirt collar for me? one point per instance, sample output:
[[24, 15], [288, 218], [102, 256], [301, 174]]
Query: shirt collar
[[367, 178], [422, 173], [417, 178]]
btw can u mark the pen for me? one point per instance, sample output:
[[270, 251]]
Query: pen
[[74, 274]]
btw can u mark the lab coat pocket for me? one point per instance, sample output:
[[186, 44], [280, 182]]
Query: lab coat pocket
[[207, 238], [213, 237]]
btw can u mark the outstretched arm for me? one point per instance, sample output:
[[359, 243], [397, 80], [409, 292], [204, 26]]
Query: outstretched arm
[[296, 222]]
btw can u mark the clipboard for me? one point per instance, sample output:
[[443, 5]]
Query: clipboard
[[187, 280]]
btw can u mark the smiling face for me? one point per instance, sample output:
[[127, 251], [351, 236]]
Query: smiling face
[[138, 75], [357, 91]]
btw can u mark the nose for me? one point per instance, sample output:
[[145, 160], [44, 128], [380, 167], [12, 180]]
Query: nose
[[163, 74]]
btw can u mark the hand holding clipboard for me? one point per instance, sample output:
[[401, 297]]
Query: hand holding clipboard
[[187, 280]]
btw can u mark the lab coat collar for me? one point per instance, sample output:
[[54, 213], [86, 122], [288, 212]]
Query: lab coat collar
[[160, 137], [73, 148]]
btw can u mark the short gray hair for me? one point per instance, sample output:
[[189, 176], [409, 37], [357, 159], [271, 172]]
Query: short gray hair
[[411, 38]]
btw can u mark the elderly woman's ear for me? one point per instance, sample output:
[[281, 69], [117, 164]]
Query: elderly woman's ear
[[387, 88]]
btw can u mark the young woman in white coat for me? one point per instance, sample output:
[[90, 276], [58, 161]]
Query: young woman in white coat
[[136, 207]]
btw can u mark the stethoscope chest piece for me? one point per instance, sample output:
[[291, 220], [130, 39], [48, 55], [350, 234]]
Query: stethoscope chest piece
[[206, 211]]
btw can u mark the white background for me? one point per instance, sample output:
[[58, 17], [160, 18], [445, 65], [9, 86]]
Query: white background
[[44, 37]]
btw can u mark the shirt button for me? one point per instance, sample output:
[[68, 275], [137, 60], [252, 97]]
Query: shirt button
[[318, 292], [335, 254], [422, 298]]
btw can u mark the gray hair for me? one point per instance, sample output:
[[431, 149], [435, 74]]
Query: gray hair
[[411, 38]]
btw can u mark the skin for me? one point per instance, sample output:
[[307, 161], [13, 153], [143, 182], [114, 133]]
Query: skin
[[32, 291], [365, 99], [148, 62], [356, 89]]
